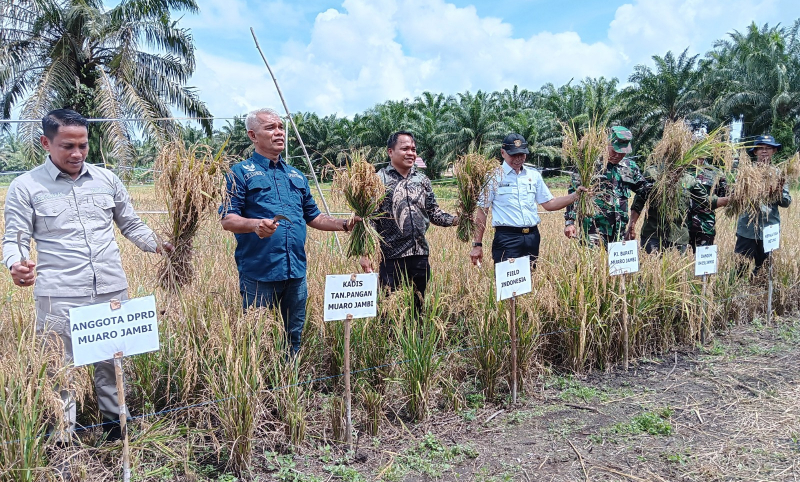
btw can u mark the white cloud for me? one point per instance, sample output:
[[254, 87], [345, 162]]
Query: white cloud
[[652, 27], [370, 51]]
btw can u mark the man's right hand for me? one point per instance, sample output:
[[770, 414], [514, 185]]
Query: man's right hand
[[630, 234], [570, 231], [265, 228], [23, 273], [476, 255]]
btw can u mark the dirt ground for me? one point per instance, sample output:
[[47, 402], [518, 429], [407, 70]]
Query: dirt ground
[[727, 411]]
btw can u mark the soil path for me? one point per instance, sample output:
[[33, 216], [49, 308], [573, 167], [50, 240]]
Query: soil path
[[729, 411]]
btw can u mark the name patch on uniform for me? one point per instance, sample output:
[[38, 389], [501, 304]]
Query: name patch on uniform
[[101, 190], [253, 174], [296, 174], [47, 196]]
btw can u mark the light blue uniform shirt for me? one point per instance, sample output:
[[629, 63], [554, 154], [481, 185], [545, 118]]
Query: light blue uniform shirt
[[514, 198]]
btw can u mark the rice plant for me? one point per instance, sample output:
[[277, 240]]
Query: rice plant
[[585, 150], [363, 191], [677, 150], [474, 173], [235, 380], [418, 339], [190, 186]]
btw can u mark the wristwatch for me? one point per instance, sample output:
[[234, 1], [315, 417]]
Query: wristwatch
[[344, 226], [569, 222], [477, 245]]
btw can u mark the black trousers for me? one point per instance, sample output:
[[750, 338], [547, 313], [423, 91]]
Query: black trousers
[[415, 270], [753, 249], [700, 239], [515, 244]]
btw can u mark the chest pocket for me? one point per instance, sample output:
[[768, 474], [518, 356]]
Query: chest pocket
[[297, 190], [54, 215], [101, 209]]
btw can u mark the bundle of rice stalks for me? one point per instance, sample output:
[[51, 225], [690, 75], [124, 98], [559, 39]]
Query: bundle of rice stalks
[[191, 186], [758, 185], [677, 150], [473, 173], [584, 150], [363, 191]]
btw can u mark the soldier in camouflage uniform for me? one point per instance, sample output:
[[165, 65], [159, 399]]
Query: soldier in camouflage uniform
[[614, 180], [658, 234], [702, 228]]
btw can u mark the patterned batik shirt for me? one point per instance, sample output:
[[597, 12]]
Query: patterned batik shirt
[[406, 213]]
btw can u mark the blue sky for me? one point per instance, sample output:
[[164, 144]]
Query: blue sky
[[342, 57]]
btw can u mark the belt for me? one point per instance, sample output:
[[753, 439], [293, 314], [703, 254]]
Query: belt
[[514, 229]]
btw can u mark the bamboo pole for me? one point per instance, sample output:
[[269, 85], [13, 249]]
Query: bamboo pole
[[297, 134], [126, 459]]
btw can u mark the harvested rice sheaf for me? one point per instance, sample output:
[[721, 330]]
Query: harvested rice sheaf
[[584, 150], [758, 185], [191, 186], [473, 173], [677, 150], [361, 188]]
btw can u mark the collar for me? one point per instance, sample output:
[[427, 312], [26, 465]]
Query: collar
[[391, 168], [266, 163], [507, 169], [53, 171]]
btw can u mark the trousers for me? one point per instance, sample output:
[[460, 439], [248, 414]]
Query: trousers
[[52, 325], [288, 296]]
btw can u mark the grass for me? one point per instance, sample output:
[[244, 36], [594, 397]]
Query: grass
[[210, 351]]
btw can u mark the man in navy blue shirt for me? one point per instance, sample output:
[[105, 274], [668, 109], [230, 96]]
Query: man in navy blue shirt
[[270, 253]]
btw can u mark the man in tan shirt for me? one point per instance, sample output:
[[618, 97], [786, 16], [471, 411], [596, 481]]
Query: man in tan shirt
[[70, 209]]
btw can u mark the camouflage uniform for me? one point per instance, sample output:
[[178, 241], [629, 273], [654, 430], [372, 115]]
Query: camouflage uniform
[[614, 183], [657, 235], [702, 228]]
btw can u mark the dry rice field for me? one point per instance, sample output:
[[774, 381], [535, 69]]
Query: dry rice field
[[431, 398]]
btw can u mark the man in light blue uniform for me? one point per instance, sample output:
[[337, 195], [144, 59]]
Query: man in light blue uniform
[[270, 253], [514, 197]]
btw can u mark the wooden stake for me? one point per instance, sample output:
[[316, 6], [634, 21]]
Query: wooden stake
[[704, 320], [769, 289], [126, 459], [626, 341], [514, 348], [347, 394]]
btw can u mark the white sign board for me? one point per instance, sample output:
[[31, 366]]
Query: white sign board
[[347, 294], [705, 260], [623, 257], [98, 331], [512, 278], [772, 237]]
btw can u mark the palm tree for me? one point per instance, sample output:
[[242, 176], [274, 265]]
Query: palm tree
[[373, 128], [425, 121], [102, 63], [669, 93], [510, 102], [601, 98], [758, 72], [542, 131], [567, 103], [471, 123], [235, 133], [326, 140]]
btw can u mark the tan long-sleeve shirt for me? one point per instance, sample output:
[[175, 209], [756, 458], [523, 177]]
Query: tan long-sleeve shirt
[[72, 222]]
